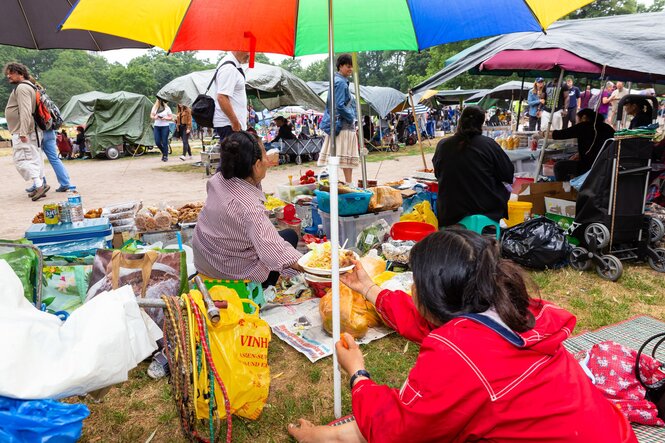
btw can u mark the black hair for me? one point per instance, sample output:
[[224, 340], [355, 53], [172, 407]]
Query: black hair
[[238, 154], [457, 272], [17, 68], [470, 123], [344, 59], [591, 116]]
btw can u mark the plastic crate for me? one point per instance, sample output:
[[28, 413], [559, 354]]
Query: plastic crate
[[355, 203], [350, 227]]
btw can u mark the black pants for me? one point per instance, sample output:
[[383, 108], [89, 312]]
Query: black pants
[[184, 136], [223, 132], [571, 117], [564, 170], [290, 236], [534, 123]]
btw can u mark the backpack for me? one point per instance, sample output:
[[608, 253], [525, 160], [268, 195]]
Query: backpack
[[203, 108], [47, 115]]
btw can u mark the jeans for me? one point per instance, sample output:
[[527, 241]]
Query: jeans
[[162, 139], [534, 123], [51, 151], [184, 136], [290, 236]]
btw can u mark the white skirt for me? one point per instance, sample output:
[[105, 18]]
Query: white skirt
[[346, 144]]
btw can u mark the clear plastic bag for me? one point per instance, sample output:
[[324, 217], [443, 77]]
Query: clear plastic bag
[[397, 251], [372, 236]]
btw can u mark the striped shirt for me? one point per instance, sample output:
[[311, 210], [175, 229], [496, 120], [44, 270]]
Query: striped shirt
[[234, 238]]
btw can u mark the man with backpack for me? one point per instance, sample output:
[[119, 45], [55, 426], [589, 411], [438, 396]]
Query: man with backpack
[[231, 104], [19, 112]]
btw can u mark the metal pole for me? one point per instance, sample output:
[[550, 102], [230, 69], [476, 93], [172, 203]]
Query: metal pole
[[415, 122], [519, 105], [359, 114], [541, 157], [333, 164]]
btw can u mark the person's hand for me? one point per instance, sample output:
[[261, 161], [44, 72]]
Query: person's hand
[[357, 279], [350, 359], [542, 100], [575, 156], [235, 125], [188, 131], [23, 138]]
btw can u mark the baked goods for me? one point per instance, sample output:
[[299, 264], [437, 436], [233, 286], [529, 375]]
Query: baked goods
[[93, 213], [39, 218], [189, 213]]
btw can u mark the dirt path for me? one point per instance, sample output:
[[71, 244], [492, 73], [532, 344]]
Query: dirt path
[[104, 182]]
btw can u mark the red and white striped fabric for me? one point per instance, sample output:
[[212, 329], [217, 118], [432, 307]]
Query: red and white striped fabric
[[234, 238]]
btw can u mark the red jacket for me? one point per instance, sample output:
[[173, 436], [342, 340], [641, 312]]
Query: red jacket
[[475, 380]]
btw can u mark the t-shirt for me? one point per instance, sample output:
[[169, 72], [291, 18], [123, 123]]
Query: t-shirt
[[230, 82], [163, 117], [616, 98], [573, 94], [604, 107], [549, 97], [586, 97]]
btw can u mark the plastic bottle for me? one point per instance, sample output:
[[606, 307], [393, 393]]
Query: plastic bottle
[[75, 205], [320, 233]]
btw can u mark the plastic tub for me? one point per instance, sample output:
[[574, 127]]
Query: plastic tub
[[289, 193], [318, 284], [350, 227], [518, 212], [354, 203], [411, 230]]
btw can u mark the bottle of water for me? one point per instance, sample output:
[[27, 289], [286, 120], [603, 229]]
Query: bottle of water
[[320, 233], [75, 205]]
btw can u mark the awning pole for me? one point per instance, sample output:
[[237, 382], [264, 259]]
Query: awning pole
[[519, 105], [359, 113], [415, 121], [541, 157], [333, 164]]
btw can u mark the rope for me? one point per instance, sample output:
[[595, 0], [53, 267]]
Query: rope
[[614, 197]]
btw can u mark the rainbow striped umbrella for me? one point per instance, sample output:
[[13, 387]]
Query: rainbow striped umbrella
[[300, 27]]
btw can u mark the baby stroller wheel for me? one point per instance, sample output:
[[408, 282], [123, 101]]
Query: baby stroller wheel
[[298, 160], [612, 270], [659, 265], [580, 260], [598, 233], [656, 230]]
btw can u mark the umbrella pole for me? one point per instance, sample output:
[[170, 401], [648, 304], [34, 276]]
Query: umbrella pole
[[333, 165], [519, 105], [541, 157], [415, 122], [359, 113]]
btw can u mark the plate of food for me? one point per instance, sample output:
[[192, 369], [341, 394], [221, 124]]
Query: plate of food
[[318, 260]]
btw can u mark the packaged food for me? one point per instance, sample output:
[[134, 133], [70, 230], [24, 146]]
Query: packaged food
[[93, 213], [357, 315], [189, 213], [397, 251], [131, 206], [384, 198], [372, 236]]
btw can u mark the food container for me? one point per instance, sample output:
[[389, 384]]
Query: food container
[[411, 230], [351, 227], [289, 193], [318, 284], [353, 203], [51, 214]]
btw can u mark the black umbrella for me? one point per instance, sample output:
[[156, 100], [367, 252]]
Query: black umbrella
[[34, 24]]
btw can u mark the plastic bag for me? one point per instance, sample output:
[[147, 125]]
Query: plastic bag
[[384, 198], [357, 315], [239, 346], [578, 181], [372, 236], [40, 420], [422, 212], [24, 263], [397, 250], [538, 243]]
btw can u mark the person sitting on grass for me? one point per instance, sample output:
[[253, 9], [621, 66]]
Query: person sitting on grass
[[491, 367]]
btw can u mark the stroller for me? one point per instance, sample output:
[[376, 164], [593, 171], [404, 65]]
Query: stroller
[[610, 220]]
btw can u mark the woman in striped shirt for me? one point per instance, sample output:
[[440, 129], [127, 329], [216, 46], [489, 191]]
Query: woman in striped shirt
[[234, 239]]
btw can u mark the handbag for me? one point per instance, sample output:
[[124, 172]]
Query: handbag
[[203, 108], [655, 393]]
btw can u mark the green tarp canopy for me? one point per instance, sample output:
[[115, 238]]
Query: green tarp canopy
[[111, 119]]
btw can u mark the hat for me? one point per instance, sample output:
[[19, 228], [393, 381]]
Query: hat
[[540, 79], [279, 117], [632, 100]]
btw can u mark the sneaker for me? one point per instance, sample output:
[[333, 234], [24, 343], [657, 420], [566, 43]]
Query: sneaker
[[190, 157], [64, 188], [182, 157], [31, 189], [165, 159], [40, 192], [159, 366]]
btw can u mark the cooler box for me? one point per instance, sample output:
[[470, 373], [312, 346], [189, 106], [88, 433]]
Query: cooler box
[[72, 239], [350, 227]]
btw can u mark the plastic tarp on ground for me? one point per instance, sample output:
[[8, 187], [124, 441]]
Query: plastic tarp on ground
[[631, 47], [111, 119], [381, 99], [44, 357], [272, 86]]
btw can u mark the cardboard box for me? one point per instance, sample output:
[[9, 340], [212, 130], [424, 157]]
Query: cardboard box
[[535, 193], [558, 206]]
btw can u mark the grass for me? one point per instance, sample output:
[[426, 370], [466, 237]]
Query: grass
[[133, 410]]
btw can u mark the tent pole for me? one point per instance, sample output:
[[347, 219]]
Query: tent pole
[[333, 164], [541, 157], [519, 105], [359, 115], [415, 121]]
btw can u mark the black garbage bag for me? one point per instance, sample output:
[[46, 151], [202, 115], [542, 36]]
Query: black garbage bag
[[538, 243]]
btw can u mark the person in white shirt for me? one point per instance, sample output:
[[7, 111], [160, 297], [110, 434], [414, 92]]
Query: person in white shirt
[[231, 104], [162, 115]]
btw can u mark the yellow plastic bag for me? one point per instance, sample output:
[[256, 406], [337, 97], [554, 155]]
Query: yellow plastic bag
[[422, 212], [239, 347]]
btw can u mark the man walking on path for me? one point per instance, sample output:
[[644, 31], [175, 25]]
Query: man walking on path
[[231, 104], [20, 121], [619, 93], [574, 99]]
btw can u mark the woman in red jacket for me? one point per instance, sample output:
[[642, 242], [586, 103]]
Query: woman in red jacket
[[491, 367]]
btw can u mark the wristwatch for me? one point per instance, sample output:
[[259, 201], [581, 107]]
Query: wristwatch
[[359, 373]]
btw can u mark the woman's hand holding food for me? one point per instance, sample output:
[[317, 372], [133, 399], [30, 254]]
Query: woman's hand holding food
[[349, 355], [358, 280]]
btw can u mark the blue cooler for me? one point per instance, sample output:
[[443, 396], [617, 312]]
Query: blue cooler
[[78, 239]]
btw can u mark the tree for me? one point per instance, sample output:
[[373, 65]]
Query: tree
[[656, 6], [604, 8]]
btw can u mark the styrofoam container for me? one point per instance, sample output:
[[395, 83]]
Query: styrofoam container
[[350, 227], [289, 193]]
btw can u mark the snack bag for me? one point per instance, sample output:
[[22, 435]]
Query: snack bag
[[384, 198], [357, 315]]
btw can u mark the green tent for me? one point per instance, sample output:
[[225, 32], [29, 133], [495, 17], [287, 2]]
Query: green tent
[[111, 119]]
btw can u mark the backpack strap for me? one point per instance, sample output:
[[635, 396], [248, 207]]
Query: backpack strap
[[214, 77], [33, 86]]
